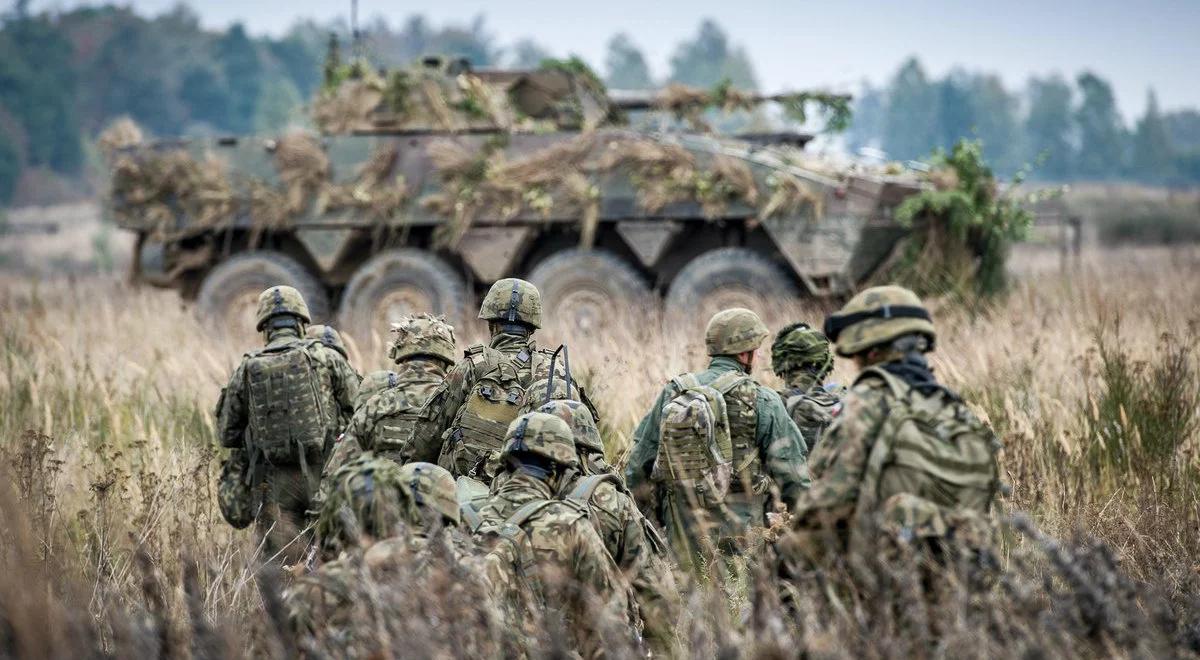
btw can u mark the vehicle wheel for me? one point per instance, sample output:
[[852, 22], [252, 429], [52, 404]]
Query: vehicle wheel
[[228, 297], [394, 284], [728, 277], [581, 289]]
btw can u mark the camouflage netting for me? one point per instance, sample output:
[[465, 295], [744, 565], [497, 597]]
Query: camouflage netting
[[158, 187], [560, 182]]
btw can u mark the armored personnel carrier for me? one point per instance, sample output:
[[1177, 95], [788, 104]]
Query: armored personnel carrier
[[425, 185]]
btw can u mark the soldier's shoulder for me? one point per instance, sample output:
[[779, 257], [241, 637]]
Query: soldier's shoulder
[[769, 396]]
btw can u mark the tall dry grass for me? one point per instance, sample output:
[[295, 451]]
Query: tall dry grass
[[1089, 376]]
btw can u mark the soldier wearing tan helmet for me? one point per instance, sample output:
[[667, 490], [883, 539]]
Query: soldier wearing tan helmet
[[711, 500], [335, 357], [906, 457], [280, 413], [463, 424], [538, 539], [422, 349]]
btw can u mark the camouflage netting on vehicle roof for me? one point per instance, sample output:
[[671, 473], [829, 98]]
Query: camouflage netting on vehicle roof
[[169, 192], [561, 181]]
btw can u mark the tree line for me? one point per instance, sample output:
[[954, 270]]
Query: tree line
[[65, 75]]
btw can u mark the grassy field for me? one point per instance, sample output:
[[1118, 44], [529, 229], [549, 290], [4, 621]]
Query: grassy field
[[1089, 376]]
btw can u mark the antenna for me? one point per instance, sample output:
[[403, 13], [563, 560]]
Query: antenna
[[355, 35]]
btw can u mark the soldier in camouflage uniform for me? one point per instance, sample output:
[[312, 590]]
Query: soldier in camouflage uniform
[[768, 452], [337, 360], [906, 461], [631, 540], [800, 356], [423, 350], [546, 554], [276, 409], [394, 529], [464, 421]]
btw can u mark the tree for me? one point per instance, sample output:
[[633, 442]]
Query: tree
[[1101, 133], [909, 127], [1048, 127], [239, 60], [625, 66], [996, 121], [955, 109], [1151, 147], [1183, 129], [708, 59], [277, 107], [10, 167], [38, 87], [528, 54], [866, 125]]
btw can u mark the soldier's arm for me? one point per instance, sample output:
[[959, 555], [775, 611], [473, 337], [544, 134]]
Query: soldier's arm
[[645, 445], [425, 440], [346, 387], [233, 411], [782, 447], [842, 459], [595, 569]]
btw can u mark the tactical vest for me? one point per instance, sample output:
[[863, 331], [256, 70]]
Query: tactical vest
[[494, 401], [812, 411], [511, 538], [391, 432], [288, 422], [932, 462], [741, 402]]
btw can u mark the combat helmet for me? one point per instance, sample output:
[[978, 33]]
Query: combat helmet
[[432, 487], [511, 300], [579, 417], [279, 300], [878, 316], [542, 391], [369, 497], [423, 335], [542, 435], [733, 331], [801, 347], [374, 383], [327, 336]]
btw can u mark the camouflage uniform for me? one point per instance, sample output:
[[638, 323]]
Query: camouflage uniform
[[631, 540], [769, 455], [423, 349], [333, 357], [463, 423], [284, 485], [906, 457], [800, 356], [412, 511], [545, 549]]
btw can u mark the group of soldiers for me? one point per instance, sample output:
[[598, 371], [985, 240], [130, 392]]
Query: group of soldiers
[[497, 460]]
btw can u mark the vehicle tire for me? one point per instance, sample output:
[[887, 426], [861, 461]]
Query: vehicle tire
[[396, 283], [728, 277], [228, 297], [582, 289]]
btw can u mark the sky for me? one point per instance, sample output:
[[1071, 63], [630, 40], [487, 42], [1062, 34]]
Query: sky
[[836, 45]]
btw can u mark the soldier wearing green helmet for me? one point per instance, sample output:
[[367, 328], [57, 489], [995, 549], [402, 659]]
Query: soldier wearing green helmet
[[801, 356], [278, 415], [768, 457], [906, 457], [537, 538], [464, 421], [377, 529]]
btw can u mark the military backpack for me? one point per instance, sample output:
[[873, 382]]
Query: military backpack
[[933, 463], [495, 400], [694, 451], [287, 416]]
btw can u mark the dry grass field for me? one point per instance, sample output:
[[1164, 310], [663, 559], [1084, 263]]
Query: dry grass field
[[1090, 376]]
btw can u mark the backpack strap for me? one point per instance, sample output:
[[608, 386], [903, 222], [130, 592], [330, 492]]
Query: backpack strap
[[897, 386], [729, 380], [684, 382], [471, 515], [523, 514], [586, 487]]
